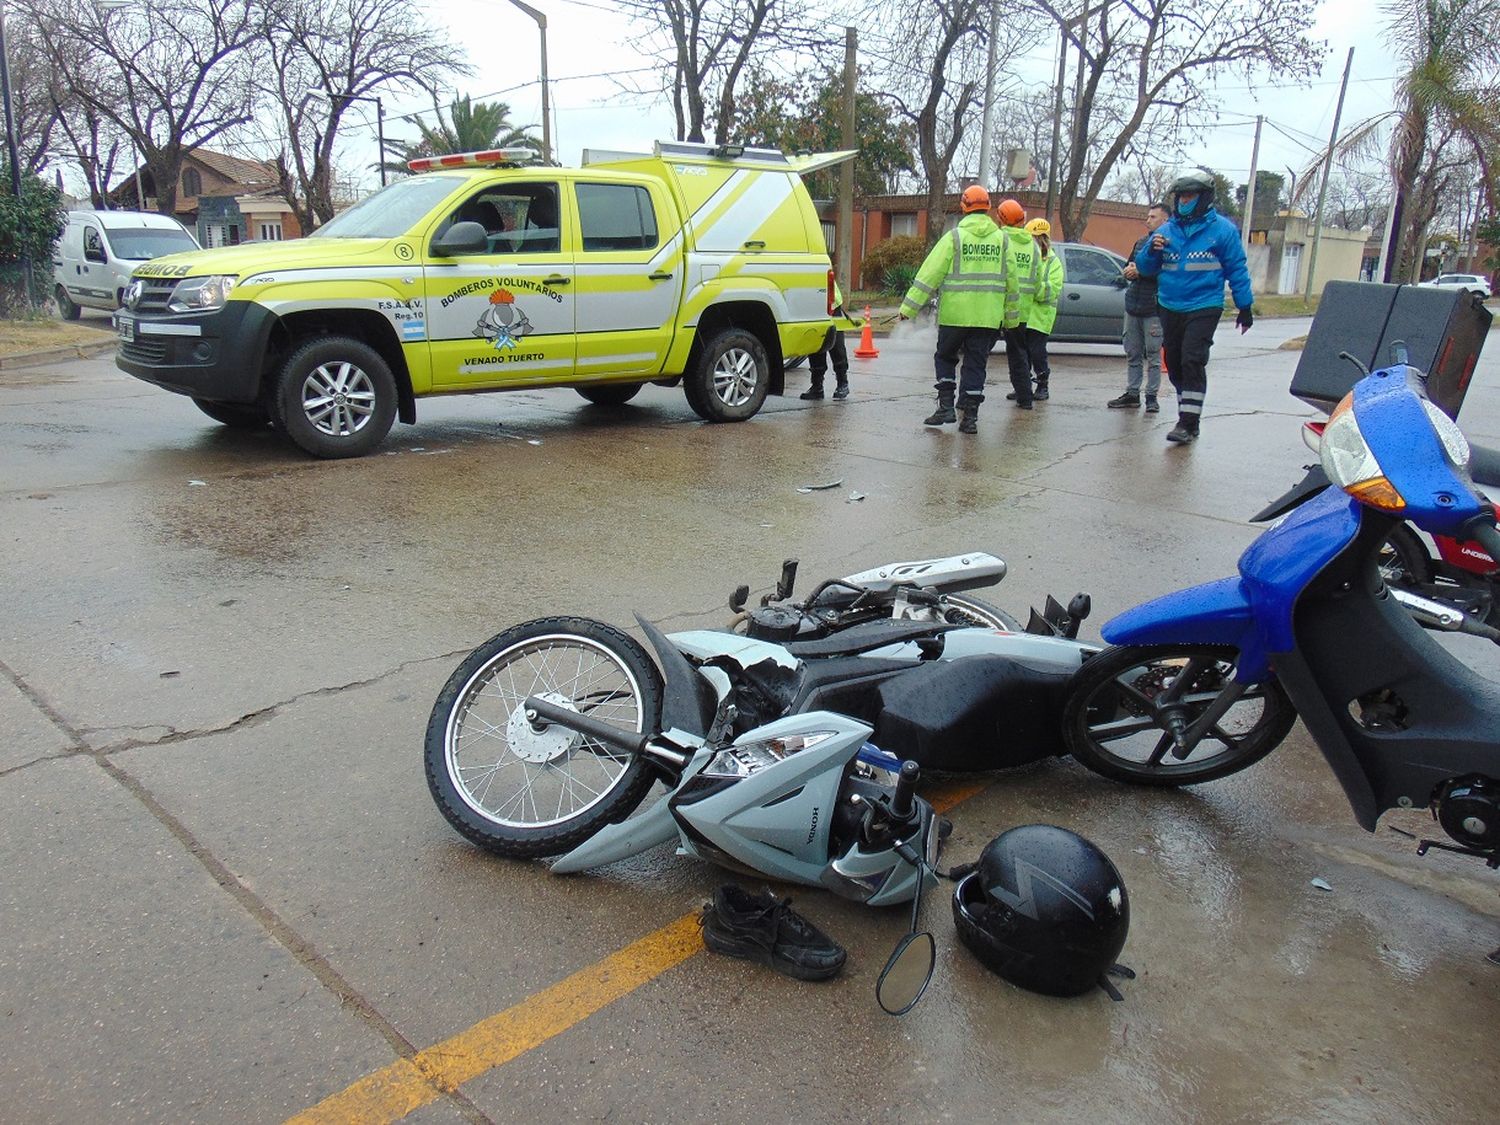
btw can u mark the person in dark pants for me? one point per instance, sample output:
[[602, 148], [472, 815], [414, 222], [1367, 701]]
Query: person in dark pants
[[977, 296], [1192, 256], [1043, 315], [1021, 259], [1142, 333], [817, 363]]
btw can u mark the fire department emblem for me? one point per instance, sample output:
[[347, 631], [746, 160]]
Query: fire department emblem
[[503, 322]]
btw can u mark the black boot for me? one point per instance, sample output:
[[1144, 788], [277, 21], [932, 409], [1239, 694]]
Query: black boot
[[1041, 394], [842, 390], [970, 422], [944, 412], [812, 393], [1186, 430]]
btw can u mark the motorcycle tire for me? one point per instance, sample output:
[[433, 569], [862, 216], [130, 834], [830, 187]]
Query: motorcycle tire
[[964, 610], [1403, 559], [1113, 724], [524, 794]]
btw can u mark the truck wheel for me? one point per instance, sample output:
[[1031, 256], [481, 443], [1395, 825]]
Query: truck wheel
[[335, 397], [233, 414], [65, 306], [616, 394], [730, 380]]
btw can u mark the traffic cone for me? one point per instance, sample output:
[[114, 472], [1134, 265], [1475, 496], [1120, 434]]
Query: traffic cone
[[866, 349]]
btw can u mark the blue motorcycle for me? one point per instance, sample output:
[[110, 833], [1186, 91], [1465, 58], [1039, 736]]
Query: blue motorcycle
[[1203, 682]]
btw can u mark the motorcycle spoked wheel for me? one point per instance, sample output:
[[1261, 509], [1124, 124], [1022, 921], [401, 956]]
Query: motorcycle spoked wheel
[[525, 794], [1113, 721], [964, 610]]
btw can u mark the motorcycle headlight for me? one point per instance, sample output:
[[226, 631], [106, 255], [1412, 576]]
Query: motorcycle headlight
[[201, 294], [746, 758], [1352, 465]]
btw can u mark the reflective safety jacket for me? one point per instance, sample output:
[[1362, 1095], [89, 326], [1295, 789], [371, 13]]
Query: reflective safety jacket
[[968, 269], [1048, 289], [1024, 258], [1200, 255]]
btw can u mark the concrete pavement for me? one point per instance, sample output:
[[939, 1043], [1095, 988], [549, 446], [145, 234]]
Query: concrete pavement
[[229, 897]]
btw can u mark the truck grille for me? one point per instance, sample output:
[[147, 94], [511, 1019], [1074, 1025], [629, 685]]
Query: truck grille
[[156, 294], [143, 350]]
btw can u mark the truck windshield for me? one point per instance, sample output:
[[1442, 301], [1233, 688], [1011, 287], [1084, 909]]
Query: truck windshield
[[390, 212], [137, 244]]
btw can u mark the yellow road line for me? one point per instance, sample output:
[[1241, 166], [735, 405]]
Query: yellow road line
[[407, 1084], [393, 1091]]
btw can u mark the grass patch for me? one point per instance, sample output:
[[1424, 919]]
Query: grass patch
[[1279, 304], [35, 334]]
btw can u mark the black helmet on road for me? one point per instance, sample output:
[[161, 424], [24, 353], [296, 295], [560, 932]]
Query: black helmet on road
[[1045, 909], [1197, 181]]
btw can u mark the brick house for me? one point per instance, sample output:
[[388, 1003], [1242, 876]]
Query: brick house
[[223, 199]]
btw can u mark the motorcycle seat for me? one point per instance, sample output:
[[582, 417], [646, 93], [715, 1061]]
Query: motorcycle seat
[[863, 638]]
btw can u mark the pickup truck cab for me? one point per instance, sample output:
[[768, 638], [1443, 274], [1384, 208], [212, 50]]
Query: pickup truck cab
[[694, 264]]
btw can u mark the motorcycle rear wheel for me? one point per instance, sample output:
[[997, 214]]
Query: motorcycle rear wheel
[[964, 610], [1114, 718], [525, 794]]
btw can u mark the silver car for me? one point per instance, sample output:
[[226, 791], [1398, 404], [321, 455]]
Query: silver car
[[1091, 309]]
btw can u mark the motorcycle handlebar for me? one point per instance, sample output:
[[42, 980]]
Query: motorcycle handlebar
[[903, 807], [566, 717], [1484, 532]]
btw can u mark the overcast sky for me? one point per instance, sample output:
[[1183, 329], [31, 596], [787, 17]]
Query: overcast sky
[[587, 40]]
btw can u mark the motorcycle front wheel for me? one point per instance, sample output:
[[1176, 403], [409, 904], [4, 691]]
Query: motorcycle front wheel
[[526, 793], [1121, 701]]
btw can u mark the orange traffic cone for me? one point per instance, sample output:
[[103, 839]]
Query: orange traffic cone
[[866, 349]]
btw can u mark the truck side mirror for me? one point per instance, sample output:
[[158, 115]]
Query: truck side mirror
[[459, 239]]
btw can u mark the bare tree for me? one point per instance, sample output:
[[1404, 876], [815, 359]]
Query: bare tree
[[172, 77], [34, 91], [1143, 61], [705, 47], [327, 55]]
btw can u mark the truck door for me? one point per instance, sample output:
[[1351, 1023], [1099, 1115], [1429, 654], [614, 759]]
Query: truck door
[[506, 315], [628, 277]]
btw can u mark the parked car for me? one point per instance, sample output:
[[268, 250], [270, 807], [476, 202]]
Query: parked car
[[98, 250], [1473, 283], [1091, 309]]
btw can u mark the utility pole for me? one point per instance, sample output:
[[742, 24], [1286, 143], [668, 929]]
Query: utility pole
[[1062, 77], [1333, 137], [1250, 191], [844, 232], [987, 130], [541, 23]]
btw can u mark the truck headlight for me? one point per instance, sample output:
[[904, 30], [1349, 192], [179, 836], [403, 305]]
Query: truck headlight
[[201, 294]]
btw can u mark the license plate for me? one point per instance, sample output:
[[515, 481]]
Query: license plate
[[125, 326]]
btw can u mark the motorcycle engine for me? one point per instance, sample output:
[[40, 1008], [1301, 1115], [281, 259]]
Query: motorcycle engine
[[1468, 808]]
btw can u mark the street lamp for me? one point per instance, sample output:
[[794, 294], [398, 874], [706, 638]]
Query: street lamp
[[379, 123], [541, 23]]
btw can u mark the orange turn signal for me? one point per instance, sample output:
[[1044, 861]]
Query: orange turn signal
[[1377, 492]]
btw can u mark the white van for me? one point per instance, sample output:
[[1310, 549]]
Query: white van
[[93, 259]]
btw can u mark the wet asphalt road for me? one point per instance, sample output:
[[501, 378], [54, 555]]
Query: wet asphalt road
[[228, 896]]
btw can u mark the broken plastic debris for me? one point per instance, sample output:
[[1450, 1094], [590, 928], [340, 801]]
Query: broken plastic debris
[[533, 441], [854, 497], [197, 484], [1322, 884], [821, 487], [169, 675]]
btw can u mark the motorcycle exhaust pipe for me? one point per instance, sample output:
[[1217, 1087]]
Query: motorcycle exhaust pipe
[[1439, 615]]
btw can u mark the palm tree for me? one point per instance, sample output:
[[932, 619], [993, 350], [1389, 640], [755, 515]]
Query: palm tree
[[1446, 116], [469, 127]]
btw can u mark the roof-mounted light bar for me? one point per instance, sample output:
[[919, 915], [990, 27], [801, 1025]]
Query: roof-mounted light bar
[[485, 159], [693, 150]]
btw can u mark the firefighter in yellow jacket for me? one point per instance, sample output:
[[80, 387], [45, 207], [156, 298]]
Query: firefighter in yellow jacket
[[977, 295], [1021, 259], [1043, 315]]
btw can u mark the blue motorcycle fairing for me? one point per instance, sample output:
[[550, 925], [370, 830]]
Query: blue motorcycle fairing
[[1440, 498], [1251, 613]]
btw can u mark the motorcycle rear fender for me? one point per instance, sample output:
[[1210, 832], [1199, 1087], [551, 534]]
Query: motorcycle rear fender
[[615, 842], [1216, 613], [1300, 493]]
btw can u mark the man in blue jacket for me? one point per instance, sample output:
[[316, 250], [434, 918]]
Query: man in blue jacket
[[1192, 256]]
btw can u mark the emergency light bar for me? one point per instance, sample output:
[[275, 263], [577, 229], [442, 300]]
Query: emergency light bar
[[472, 159], [694, 150]]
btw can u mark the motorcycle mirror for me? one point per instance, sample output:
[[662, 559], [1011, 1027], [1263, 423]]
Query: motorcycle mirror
[[907, 973]]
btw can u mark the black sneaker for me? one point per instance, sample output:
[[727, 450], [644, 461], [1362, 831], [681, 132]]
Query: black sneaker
[[812, 394], [1126, 401], [1152, 406], [766, 929]]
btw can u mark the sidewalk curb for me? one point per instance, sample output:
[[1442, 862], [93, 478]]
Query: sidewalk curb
[[55, 355]]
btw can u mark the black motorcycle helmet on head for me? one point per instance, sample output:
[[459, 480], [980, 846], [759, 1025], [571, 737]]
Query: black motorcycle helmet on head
[[1197, 181], [1045, 909]]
